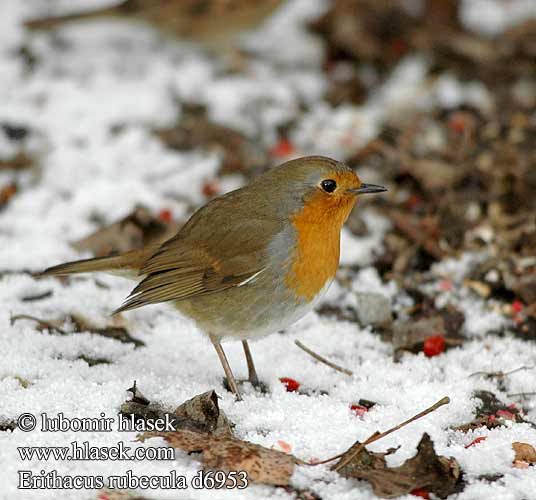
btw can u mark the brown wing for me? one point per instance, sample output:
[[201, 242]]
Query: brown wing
[[187, 265]]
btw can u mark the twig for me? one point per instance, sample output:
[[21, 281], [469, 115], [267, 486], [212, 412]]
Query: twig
[[42, 324], [349, 454], [501, 374], [323, 360], [522, 394]]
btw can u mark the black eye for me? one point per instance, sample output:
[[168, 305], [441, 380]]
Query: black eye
[[329, 185]]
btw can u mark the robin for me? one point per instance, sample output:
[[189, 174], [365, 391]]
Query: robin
[[250, 262]]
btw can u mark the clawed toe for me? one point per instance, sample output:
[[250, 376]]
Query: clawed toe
[[258, 385]]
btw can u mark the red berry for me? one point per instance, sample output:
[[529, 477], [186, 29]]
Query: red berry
[[282, 149], [419, 492], [290, 384], [457, 125], [285, 447], [414, 202], [517, 306], [434, 345], [506, 414], [210, 188], [476, 441], [165, 215], [399, 47], [359, 410], [446, 285]]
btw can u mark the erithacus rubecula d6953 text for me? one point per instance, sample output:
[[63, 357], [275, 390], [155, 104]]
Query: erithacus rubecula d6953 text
[[250, 262]]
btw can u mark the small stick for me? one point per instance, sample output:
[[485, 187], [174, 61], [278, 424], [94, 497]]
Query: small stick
[[501, 374], [349, 454], [522, 394], [42, 323], [378, 435], [323, 360]]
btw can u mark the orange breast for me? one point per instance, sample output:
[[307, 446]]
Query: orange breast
[[318, 228]]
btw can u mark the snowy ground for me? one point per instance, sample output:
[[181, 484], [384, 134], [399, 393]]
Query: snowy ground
[[71, 102]]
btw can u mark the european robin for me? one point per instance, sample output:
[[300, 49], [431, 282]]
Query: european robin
[[250, 262], [214, 23]]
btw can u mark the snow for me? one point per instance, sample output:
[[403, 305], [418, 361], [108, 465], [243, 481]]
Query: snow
[[73, 101], [362, 250], [492, 17]]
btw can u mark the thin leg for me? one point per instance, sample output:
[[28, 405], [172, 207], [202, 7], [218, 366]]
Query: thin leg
[[252, 373], [227, 369]]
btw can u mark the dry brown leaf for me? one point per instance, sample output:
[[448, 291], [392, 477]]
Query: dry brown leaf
[[426, 470], [20, 161], [205, 412], [136, 230], [263, 465], [201, 414], [195, 130], [524, 452], [406, 335], [7, 192], [435, 175]]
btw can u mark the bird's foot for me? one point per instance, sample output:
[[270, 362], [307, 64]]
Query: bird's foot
[[243, 385]]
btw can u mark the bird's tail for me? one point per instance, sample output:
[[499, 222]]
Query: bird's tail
[[127, 264], [50, 23]]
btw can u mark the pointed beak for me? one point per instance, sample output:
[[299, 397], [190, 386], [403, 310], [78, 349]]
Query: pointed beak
[[368, 188]]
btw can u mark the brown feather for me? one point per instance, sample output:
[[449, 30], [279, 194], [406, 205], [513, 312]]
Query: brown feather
[[129, 261], [209, 254]]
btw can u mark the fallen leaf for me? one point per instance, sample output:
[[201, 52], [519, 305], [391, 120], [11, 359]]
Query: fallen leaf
[[524, 452], [7, 425], [425, 471], [19, 162], [137, 230], [204, 411], [410, 335], [263, 465], [200, 414], [434, 175], [239, 153], [6, 193]]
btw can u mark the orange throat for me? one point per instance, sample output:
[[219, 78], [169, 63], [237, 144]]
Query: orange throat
[[318, 233]]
